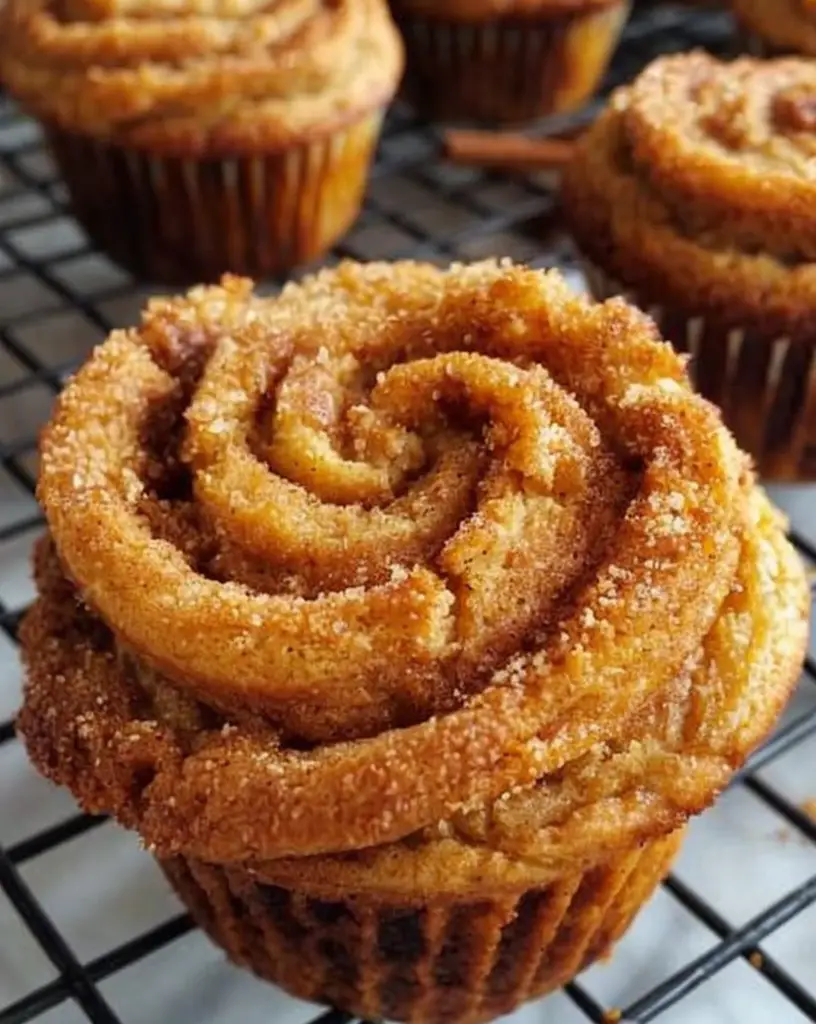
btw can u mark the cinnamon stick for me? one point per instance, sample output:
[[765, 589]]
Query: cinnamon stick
[[506, 151]]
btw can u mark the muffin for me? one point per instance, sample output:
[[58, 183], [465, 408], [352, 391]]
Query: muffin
[[197, 138], [407, 617], [506, 60], [693, 195], [784, 26]]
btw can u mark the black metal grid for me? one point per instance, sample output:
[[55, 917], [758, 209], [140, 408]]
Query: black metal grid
[[416, 207]]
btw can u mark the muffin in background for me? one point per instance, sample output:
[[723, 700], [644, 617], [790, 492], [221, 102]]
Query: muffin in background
[[196, 137], [776, 27], [506, 60], [693, 195], [407, 617]]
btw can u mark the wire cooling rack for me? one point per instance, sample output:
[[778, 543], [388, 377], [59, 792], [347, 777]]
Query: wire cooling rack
[[738, 917]]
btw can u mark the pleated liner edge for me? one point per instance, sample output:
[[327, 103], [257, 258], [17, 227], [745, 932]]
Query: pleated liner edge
[[465, 960]]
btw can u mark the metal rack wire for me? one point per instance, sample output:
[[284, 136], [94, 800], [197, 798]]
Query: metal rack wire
[[416, 207]]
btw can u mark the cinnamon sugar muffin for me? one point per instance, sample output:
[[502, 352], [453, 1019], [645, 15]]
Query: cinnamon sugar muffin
[[780, 27], [506, 60], [407, 617], [694, 195], [198, 137]]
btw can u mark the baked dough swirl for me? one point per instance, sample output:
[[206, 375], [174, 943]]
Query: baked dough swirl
[[402, 547], [696, 185], [188, 76]]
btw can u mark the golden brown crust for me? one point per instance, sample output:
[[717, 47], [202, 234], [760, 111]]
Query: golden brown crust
[[200, 77], [732, 146], [787, 26], [673, 754], [570, 659], [695, 187], [89, 726]]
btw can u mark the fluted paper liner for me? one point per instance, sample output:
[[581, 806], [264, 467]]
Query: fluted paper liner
[[509, 69], [463, 960], [177, 220], [796, 21], [755, 45]]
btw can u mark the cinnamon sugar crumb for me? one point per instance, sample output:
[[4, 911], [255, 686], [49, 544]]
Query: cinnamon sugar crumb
[[388, 659]]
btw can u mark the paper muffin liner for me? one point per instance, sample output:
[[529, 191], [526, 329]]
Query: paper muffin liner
[[508, 69], [754, 45], [765, 386], [182, 220], [463, 960]]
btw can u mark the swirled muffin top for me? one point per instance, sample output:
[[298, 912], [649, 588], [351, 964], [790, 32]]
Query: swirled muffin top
[[699, 183], [405, 557], [190, 76]]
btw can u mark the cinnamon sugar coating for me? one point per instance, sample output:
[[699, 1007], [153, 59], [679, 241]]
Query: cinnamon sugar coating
[[696, 187], [787, 26], [450, 564], [210, 77]]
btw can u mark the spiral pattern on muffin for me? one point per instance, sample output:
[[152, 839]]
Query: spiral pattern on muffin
[[392, 547], [187, 75], [734, 158], [695, 187]]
